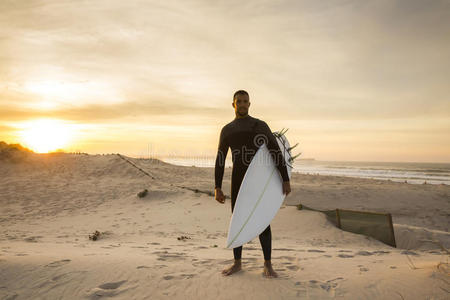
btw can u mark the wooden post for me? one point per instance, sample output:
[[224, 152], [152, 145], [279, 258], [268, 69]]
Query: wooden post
[[338, 218]]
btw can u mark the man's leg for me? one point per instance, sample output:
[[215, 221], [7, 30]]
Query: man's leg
[[237, 252], [265, 238], [237, 262]]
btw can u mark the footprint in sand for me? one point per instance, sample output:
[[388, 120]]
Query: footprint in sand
[[58, 263], [201, 247], [111, 285], [109, 289], [289, 258], [377, 261], [293, 268], [170, 256], [160, 266], [364, 253], [345, 256], [142, 267], [203, 263], [362, 268], [380, 252], [67, 276], [32, 239], [329, 286], [409, 252], [211, 236]]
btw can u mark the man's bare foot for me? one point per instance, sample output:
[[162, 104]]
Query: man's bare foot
[[268, 270], [233, 269]]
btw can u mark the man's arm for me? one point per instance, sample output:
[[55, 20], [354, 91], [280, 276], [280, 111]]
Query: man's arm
[[275, 151], [220, 160]]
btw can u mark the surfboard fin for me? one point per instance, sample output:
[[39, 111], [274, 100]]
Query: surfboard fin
[[283, 131], [290, 148], [294, 157], [280, 134]]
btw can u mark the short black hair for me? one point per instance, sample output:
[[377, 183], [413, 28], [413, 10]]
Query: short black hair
[[240, 92]]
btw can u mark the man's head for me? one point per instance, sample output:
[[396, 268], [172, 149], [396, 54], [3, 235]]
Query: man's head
[[241, 103]]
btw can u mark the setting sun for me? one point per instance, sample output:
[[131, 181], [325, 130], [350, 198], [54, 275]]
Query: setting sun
[[45, 135]]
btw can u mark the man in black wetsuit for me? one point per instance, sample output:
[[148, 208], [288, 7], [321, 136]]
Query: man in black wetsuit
[[244, 135]]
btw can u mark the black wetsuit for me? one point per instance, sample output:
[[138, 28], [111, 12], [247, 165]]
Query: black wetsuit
[[244, 136]]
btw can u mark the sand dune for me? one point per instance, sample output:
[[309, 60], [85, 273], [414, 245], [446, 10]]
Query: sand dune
[[50, 204]]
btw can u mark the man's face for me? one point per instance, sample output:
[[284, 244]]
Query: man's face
[[241, 104]]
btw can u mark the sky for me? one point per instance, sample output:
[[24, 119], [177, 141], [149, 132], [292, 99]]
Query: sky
[[352, 80]]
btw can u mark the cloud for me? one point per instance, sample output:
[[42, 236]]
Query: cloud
[[97, 113], [4, 128], [275, 46]]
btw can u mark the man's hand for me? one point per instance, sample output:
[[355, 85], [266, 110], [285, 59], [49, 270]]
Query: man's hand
[[286, 187], [220, 197]]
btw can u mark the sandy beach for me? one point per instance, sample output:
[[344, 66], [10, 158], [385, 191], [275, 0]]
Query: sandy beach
[[170, 244]]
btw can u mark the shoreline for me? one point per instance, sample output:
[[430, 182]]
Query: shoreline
[[320, 168]]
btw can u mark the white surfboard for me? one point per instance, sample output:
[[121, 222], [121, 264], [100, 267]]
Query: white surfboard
[[260, 195]]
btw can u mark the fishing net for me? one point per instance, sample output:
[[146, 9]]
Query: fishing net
[[373, 224]]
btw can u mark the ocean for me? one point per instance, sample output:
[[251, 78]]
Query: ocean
[[411, 172]]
